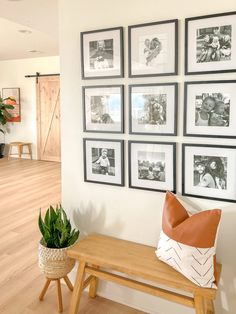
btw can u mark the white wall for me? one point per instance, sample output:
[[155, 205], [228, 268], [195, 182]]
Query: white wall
[[12, 74], [119, 211]]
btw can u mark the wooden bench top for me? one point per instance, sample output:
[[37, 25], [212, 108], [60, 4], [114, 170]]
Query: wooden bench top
[[136, 260]]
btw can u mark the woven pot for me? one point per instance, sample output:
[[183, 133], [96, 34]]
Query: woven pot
[[54, 263]]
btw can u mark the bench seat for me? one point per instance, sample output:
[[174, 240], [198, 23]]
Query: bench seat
[[99, 255]]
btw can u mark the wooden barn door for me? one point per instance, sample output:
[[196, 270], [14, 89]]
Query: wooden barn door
[[48, 118]]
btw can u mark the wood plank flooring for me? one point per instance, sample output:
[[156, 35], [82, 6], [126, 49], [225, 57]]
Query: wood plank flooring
[[26, 186]]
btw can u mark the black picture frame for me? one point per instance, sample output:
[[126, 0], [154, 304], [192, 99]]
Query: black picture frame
[[173, 144], [223, 147], [186, 106], [175, 70], [175, 122], [121, 144], [121, 87], [187, 21], [121, 63]]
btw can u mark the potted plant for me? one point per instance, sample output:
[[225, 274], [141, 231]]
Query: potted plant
[[5, 105], [57, 237]]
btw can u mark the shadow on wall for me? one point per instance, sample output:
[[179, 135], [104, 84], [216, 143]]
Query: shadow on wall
[[226, 254], [89, 220], [191, 207]]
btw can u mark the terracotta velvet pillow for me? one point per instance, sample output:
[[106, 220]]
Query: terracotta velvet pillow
[[187, 243]]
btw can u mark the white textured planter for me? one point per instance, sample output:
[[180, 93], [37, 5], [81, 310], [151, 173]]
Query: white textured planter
[[54, 263]]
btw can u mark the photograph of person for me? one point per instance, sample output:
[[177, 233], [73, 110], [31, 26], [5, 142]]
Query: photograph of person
[[101, 110], [210, 172], [151, 166], [103, 161], [152, 48], [212, 109], [214, 44], [151, 109], [101, 54]]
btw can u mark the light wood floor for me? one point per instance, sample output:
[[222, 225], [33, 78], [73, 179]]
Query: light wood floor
[[25, 186]]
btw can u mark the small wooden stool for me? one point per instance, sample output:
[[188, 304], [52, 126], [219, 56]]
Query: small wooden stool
[[20, 147], [59, 295]]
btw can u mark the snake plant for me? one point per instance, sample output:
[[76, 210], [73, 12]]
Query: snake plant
[[56, 228]]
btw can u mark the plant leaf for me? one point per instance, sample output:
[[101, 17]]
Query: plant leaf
[[41, 224], [56, 228], [74, 238], [47, 218]]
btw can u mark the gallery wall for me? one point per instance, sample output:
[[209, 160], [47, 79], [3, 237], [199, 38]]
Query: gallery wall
[[119, 211], [12, 74]]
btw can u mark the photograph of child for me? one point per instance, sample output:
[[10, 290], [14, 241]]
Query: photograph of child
[[101, 54], [150, 109], [210, 172], [212, 109], [103, 161], [101, 109], [151, 166], [214, 44]]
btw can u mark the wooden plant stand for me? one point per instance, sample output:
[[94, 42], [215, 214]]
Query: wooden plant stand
[[59, 295]]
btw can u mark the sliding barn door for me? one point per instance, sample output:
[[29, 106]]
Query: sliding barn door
[[48, 117]]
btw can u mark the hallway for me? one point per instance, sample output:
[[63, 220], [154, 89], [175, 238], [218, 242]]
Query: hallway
[[26, 186]]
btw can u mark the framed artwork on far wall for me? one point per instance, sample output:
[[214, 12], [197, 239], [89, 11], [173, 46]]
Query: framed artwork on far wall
[[210, 43], [152, 166], [153, 108], [209, 109], [209, 171], [15, 94], [153, 49], [104, 161], [102, 54], [103, 108]]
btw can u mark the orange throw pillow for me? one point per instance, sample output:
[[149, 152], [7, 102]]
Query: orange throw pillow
[[187, 243]]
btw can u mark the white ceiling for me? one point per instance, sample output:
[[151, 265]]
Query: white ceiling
[[38, 16]]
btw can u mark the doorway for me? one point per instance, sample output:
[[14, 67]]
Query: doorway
[[48, 118]]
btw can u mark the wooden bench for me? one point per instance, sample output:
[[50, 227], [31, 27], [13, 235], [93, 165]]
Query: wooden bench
[[98, 255], [19, 146]]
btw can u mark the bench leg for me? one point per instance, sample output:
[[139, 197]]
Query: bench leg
[[19, 151], [209, 306], [9, 152], [93, 285], [78, 289], [199, 304], [30, 151]]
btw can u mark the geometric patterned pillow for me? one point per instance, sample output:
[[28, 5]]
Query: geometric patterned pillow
[[187, 243]]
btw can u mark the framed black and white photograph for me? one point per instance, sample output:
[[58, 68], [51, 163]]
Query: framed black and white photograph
[[209, 171], [210, 43], [152, 166], [153, 49], [153, 108], [104, 161], [103, 108], [102, 53], [209, 109]]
